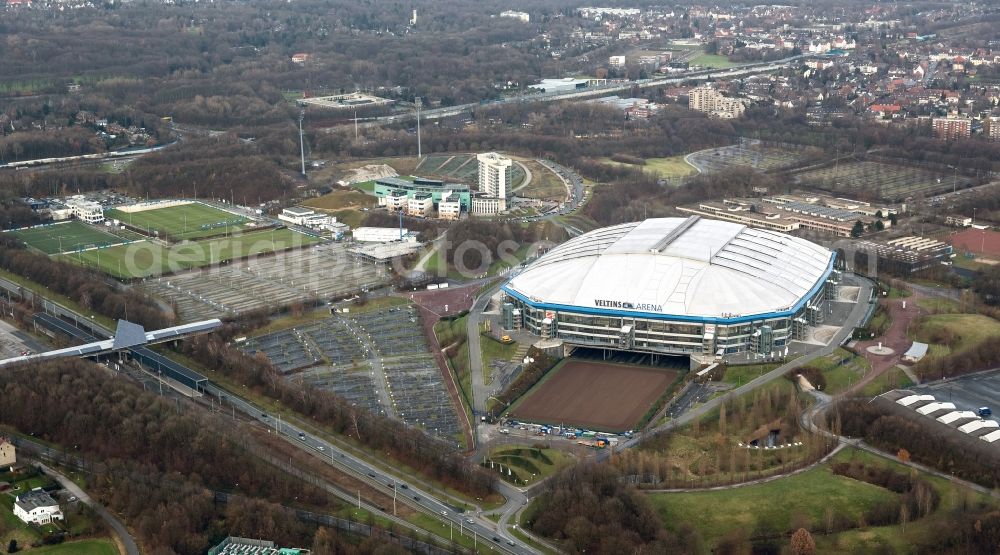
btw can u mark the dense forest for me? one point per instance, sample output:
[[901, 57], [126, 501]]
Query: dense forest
[[157, 462], [591, 510]]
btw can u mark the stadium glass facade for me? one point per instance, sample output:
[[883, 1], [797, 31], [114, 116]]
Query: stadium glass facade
[[536, 302]]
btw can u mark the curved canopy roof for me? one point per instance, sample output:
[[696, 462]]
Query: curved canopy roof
[[690, 268]]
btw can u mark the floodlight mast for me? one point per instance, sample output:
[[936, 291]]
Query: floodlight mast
[[302, 143]]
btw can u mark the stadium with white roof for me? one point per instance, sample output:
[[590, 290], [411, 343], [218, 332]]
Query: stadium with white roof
[[683, 286]]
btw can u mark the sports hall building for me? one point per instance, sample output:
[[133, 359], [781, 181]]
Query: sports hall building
[[676, 286]]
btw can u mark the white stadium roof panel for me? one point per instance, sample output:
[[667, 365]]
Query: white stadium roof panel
[[686, 267]]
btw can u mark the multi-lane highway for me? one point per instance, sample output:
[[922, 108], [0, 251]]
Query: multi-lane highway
[[413, 495], [404, 492], [449, 111]]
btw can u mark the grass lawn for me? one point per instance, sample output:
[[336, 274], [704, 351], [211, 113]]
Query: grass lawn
[[809, 494], [879, 323], [579, 221], [367, 187], [340, 199], [783, 503], [453, 331], [82, 547], [937, 305], [352, 217], [499, 265], [740, 375], [186, 221], [64, 237], [145, 258], [969, 329], [667, 168], [892, 379], [544, 184], [528, 463], [11, 527], [494, 350], [841, 369], [870, 539], [712, 61]]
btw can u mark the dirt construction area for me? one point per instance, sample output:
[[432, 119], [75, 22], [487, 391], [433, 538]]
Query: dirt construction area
[[595, 395]]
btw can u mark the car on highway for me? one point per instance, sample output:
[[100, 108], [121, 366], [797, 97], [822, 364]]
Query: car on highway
[[444, 513], [510, 542], [302, 436], [470, 521]]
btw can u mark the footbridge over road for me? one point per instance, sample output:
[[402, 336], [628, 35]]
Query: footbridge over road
[[128, 338]]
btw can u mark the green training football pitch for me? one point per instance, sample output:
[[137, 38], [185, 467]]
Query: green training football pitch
[[186, 221], [145, 258], [65, 237]]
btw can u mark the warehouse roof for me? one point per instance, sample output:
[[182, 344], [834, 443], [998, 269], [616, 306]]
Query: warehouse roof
[[687, 268]]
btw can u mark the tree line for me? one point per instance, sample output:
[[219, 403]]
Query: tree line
[[158, 466], [946, 451], [85, 287]]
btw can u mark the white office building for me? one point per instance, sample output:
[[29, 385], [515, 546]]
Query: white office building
[[86, 210], [494, 174], [37, 507]]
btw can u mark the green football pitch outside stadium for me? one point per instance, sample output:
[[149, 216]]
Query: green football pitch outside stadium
[[185, 221], [65, 237], [145, 258]]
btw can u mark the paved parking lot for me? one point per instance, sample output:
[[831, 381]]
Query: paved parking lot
[[967, 392], [379, 360], [321, 272]]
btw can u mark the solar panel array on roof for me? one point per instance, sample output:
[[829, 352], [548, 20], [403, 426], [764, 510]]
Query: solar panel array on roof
[[820, 211]]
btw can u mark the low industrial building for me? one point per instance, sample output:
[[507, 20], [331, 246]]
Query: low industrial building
[[384, 253], [788, 213], [902, 256], [382, 234]]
